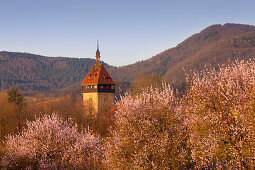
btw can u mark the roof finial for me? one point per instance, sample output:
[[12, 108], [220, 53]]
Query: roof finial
[[97, 54]]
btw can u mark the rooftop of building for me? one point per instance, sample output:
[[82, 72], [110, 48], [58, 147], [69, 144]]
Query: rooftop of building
[[98, 73]]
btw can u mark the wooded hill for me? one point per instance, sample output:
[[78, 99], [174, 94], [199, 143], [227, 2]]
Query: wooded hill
[[214, 45], [32, 73]]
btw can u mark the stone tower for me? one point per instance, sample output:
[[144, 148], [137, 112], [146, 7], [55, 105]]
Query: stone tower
[[98, 88]]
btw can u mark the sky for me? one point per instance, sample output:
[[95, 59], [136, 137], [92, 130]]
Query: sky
[[128, 30]]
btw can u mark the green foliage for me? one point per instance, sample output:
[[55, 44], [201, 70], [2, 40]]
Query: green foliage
[[16, 96]]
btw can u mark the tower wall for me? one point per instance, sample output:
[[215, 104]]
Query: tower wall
[[90, 102], [97, 102], [105, 102]]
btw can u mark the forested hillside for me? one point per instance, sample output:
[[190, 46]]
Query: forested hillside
[[214, 45], [32, 73], [217, 44]]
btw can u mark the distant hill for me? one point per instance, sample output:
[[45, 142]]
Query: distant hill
[[32, 73], [214, 45]]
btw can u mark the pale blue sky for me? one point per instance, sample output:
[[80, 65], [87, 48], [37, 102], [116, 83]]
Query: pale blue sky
[[128, 31]]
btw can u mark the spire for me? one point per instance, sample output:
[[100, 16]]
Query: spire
[[97, 55], [98, 52]]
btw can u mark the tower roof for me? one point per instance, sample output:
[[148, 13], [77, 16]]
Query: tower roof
[[98, 75]]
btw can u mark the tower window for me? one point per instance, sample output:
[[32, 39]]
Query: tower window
[[105, 99], [106, 78]]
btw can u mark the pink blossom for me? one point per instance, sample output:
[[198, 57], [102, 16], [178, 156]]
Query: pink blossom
[[51, 143], [220, 116], [149, 133]]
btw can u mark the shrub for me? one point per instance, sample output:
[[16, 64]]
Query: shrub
[[51, 143], [8, 117], [149, 133], [220, 109]]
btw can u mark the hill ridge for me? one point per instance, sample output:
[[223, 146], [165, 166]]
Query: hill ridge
[[214, 45], [172, 58]]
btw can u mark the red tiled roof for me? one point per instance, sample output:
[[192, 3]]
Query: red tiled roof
[[98, 75]]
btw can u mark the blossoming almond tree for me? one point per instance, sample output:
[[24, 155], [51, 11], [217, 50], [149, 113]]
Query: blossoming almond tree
[[221, 116], [51, 143], [149, 133]]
